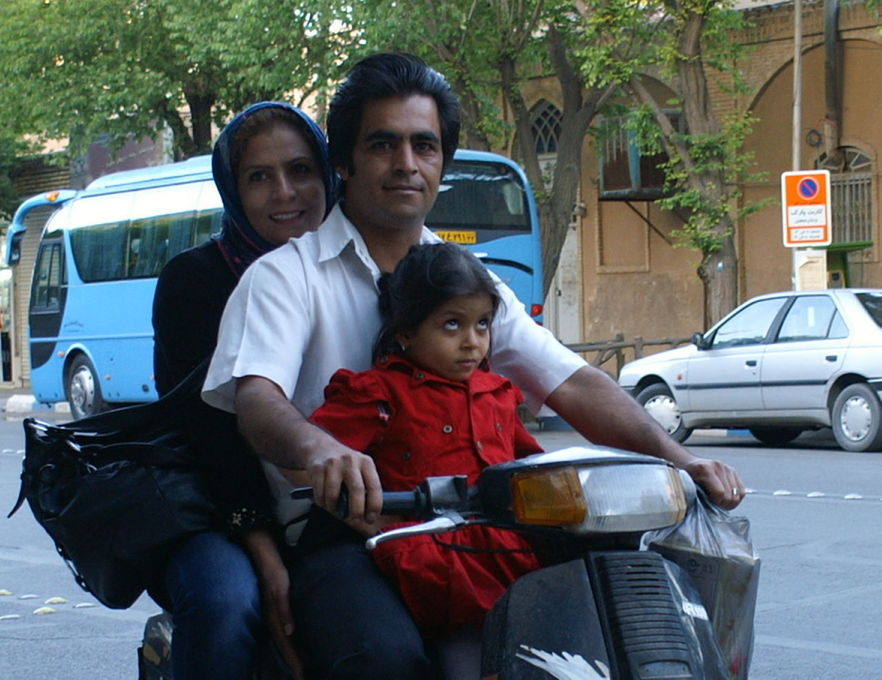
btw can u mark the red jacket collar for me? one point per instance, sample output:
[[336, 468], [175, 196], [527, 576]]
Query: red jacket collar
[[479, 381]]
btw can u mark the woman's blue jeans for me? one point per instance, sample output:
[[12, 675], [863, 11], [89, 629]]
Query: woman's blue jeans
[[215, 604]]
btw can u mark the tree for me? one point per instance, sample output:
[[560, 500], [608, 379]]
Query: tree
[[682, 41], [10, 148], [488, 50], [120, 68]]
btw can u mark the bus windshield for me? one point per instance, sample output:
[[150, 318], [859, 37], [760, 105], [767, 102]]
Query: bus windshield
[[483, 197]]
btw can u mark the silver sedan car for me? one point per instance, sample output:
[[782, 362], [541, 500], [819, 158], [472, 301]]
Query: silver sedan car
[[778, 365]]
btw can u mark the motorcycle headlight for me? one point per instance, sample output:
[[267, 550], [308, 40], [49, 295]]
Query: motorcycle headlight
[[600, 499]]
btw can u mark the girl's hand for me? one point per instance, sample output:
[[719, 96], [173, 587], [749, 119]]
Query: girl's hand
[[275, 588]]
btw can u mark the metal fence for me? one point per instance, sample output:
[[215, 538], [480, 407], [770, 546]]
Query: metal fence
[[852, 207], [619, 351]]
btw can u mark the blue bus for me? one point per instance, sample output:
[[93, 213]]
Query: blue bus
[[90, 331]]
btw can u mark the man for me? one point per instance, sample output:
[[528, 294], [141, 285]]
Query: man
[[310, 308]]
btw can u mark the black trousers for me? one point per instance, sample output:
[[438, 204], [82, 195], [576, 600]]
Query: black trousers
[[349, 619]]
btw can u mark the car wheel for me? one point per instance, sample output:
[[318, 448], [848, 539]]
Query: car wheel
[[857, 418], [775, 436], [661, 405], [83, 389]]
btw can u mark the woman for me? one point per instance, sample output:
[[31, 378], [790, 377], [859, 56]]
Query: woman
[[270, 165]]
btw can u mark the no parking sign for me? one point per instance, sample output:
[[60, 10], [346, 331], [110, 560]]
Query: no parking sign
[[805, 199]]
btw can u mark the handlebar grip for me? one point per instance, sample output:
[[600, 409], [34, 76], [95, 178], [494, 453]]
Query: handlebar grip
[[394, 502], [399, 503]]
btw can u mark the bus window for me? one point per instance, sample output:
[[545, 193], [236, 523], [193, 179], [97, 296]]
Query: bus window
[[482, 197], [100, 251], [149, 242], [207, 223], [48, 279]]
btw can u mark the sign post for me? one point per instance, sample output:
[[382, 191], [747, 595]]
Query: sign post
[[805, 202]]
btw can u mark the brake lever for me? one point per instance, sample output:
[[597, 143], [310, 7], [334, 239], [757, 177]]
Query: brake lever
[[449, 521]]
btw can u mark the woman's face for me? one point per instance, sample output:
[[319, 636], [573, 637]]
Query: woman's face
[[280, 184]]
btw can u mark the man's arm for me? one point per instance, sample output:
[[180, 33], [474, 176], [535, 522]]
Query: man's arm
[[278, 432], [604, 413]]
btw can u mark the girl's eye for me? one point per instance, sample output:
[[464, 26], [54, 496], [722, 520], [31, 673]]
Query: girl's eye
[[484, 324], [451, 324]]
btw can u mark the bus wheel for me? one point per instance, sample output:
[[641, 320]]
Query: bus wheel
[[83, 389]]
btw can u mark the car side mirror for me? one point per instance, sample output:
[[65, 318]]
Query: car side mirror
[[699, 341]]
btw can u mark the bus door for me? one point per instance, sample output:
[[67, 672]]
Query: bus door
[[48, 296]]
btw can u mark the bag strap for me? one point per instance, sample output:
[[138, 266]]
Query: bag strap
[[169, 409]]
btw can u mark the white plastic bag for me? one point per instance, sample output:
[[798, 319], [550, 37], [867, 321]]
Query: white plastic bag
[[715, 549]]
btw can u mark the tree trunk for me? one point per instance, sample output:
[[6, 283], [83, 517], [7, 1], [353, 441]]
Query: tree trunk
[[718, 272], [555, 204], [200, 120]]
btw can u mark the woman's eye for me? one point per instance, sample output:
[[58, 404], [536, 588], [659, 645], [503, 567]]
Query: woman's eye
[[301, 169], [257, 176]]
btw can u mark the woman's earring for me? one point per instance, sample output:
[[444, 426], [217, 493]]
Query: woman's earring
[[402, 346]]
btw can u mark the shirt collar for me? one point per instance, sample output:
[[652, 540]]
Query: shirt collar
[[337, 232]]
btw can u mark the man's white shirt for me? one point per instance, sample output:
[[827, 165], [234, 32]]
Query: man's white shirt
[[310, 307]]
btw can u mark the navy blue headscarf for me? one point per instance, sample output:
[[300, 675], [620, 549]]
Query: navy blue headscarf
[[238, 240]]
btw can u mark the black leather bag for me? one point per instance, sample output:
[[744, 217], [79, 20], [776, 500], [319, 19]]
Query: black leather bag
[[118, 491]]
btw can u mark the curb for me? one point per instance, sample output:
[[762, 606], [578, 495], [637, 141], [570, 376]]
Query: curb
[[23, 404]]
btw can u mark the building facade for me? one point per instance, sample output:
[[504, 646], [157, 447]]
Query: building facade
[[631, 277]]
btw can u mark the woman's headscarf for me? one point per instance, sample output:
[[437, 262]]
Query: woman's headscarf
[[238, 240]]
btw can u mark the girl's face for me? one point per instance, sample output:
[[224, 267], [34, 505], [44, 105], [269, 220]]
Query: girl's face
[[280, 184], [454, 339]]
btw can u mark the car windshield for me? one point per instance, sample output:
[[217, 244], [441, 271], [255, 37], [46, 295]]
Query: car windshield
[[872, 302]]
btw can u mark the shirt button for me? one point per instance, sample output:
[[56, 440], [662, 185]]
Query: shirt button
[[499, 427], [447, 429], [479, 446], [419, 376], [406, 455]]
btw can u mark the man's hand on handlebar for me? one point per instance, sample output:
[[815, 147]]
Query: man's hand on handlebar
[[339, 465]]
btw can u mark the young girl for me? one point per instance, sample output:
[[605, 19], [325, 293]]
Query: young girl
[[431, 407]]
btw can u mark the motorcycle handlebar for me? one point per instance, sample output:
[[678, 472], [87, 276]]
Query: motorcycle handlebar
[[394, 502]]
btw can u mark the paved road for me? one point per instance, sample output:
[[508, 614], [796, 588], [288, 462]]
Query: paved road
[[817, 522]]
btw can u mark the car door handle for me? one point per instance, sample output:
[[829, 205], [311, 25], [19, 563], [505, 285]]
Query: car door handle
[[750, 362], [831, 358]]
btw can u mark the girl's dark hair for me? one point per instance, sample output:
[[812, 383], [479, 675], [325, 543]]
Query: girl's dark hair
[[427, 277], [381, 76]]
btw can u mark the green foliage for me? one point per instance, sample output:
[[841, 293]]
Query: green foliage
[[9, 198], [467, 41], [131, 67], [624, 41]]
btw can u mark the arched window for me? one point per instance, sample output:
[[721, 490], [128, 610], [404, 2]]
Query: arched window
[[546, 127], [851, 195]]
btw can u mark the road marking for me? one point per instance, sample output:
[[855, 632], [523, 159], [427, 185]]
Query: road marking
[[814, 494]]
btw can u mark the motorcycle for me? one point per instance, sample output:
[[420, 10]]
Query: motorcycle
[[601, 608]]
